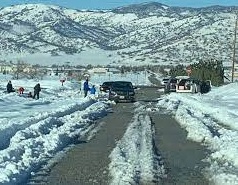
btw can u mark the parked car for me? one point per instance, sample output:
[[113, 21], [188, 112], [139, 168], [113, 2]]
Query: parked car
[[164, 82], [122, 91], [205, 86], [170, 86], [105, 87]]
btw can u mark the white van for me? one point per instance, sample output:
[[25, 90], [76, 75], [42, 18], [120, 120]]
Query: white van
[[186, 84]]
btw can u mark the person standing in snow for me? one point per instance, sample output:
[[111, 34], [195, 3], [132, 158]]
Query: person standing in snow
[[93, 90], [9, 87], [37, 90], [86, 87]]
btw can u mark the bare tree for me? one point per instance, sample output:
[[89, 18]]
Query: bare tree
[[19, 68]]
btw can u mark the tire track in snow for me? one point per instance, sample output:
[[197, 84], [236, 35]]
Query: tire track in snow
[[136, 161]]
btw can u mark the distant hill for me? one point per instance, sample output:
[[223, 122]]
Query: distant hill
[[134, 35]]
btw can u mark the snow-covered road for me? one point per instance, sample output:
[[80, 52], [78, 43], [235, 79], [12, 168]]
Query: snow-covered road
[[34, 131]]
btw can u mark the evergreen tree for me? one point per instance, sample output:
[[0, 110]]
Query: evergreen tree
[[203, 70]]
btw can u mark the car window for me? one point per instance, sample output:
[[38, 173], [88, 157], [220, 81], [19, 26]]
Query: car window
[[165, 80], [107, 83], [182, 82], [173, 81], [122, 85]]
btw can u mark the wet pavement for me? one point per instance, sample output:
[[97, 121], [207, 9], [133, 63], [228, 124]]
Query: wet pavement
[[183, 159], [87, 162]]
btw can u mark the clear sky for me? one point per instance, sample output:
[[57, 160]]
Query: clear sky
[[108, 4]]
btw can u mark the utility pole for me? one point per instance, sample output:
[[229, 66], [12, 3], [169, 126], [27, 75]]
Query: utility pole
[[234, 50]]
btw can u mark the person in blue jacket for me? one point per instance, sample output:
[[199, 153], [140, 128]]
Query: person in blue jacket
[[86, 87], [93, 90]]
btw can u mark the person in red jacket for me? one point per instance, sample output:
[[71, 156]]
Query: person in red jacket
[[21, 90]]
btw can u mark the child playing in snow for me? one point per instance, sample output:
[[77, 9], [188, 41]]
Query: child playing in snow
[[21, 90], [93, 90]]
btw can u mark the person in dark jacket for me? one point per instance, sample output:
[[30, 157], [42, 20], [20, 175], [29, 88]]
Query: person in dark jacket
[[37, 90], [86, 88], [9, 87], [29, 95]]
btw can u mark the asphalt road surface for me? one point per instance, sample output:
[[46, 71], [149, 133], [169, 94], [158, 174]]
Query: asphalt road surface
[[87, 162]]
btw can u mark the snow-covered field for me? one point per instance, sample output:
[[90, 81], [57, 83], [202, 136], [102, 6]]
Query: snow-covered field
[[34, 131]]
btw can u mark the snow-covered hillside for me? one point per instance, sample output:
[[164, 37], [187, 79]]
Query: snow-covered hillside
[[134, 35]]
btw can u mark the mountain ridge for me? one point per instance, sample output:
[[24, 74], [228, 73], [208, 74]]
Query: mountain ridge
[[159, 34]]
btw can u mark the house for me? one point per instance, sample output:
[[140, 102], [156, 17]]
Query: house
[[114, 70], [98, 70]]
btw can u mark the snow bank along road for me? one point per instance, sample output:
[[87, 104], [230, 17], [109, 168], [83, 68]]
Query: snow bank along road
[[133, 144]]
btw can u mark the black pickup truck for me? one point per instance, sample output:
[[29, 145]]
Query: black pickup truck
[[122, 91]]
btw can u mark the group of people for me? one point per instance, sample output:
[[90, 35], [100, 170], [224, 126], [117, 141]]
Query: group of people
[[37, 89], [86, 88], [21, 90]]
